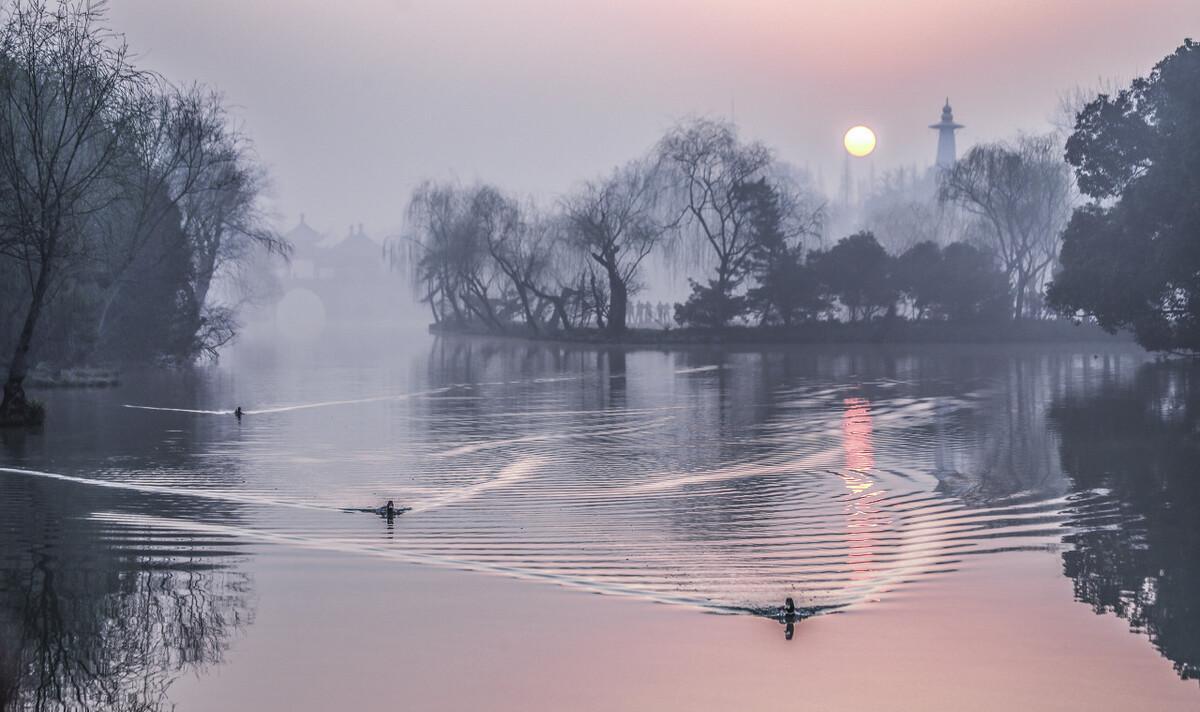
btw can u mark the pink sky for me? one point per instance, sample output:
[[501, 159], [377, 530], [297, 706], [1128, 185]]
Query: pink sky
[[351, 103]]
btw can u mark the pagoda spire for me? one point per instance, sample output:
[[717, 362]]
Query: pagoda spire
[[947, 152]]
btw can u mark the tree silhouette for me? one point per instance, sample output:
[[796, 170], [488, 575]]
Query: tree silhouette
[[1021, 193], [612, 222], [1130, 258], [857, 271]]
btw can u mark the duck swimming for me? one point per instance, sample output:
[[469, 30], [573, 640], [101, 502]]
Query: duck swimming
[[789, 618], [388, 510]]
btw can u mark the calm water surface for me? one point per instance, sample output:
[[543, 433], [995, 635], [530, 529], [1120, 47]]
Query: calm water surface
[[134, 527]]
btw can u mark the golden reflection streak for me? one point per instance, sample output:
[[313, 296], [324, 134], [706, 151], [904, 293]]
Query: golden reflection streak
[[860, 461]]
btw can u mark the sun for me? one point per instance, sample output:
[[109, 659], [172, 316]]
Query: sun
[[859, 141]]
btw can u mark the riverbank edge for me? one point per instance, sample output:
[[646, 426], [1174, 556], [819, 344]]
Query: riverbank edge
[[818, 333]]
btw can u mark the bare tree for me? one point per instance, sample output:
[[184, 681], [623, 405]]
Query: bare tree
[[178, 151], [461, 280], [1072, 101], [223, 220], [66, 91], [433, 216], [516, 245], [904, 211], [1021, 191], [709, 167], [561, 270], [614, 222]]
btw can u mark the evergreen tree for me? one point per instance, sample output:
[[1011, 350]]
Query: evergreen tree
[[1131, 258]]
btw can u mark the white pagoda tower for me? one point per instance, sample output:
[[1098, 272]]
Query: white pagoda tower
[[947, 153]]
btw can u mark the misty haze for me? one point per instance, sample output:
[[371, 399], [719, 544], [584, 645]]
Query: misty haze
[[612, 355]]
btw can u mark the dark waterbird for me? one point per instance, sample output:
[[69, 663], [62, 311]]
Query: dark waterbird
[[389, 510], [788, 618]]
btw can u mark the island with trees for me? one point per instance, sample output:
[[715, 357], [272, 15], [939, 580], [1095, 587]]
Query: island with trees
[[132, 227], [755, 234]]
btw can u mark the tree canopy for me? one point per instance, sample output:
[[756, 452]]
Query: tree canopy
[[1131, 257], [126, 203]]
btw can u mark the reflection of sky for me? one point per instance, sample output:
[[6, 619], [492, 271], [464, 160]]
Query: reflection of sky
[[769, 479], [715, 478]]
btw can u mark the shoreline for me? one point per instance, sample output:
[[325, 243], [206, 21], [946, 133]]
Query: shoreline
[[818, 333]]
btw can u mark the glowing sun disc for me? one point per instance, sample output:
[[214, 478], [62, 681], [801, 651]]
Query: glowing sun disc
[[859, 141]]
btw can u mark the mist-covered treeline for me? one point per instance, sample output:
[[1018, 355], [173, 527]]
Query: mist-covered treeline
[[129, 205], [978, 241]]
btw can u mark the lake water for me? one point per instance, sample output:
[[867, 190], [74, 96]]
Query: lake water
[[959, 527]]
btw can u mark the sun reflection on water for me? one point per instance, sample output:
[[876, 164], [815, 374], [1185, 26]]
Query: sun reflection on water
[[861, 515]]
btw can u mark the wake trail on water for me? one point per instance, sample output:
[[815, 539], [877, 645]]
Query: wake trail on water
[[299, 406], [178, 410], [698, 369], [545, 437], [508, 475], [405, 556], [823, 459], [169, 490], [347, 401]]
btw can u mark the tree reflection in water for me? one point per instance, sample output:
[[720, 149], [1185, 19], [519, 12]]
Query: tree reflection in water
[[96, 615], [1139, 556]]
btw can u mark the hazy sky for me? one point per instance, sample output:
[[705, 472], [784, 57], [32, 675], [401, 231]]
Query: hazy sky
[[352, 102]]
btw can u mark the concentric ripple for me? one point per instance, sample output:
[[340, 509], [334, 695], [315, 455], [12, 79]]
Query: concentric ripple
[[726, 485]]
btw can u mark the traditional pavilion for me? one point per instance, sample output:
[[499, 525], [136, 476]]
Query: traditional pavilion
[[351, 276]]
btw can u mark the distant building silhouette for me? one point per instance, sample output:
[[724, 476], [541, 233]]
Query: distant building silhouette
[[947, 152], [354, 258], [305, 241], [350, 277]]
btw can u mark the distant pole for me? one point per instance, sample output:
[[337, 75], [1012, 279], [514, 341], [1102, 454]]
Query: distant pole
[[846, 187]]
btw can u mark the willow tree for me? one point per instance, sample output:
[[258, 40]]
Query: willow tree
[[66, 94], [450, 226], [1021, 192], [709, 169], [522, 245], [614, 222]]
